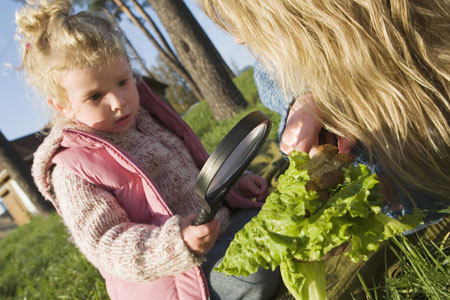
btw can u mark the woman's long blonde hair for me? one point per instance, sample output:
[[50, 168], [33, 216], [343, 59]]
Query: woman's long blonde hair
[[379, 71], [53, 39]]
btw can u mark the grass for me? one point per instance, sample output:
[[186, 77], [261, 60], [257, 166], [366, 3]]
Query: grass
[[246, 85], [37, 261], [421, 272], [211, 132]]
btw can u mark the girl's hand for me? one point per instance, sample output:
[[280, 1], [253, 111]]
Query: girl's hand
[[303, 130], [199, 239], [251, 185]]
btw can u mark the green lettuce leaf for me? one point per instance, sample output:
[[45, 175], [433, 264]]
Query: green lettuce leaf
[[294, 225], [304, 280]]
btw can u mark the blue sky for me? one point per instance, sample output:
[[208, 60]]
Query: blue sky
[[20, 109]]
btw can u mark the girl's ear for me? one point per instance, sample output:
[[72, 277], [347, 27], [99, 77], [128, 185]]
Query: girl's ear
[[66, 111]]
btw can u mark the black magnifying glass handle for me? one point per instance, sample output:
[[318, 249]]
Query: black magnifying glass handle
[[207, 213], [202, 217]]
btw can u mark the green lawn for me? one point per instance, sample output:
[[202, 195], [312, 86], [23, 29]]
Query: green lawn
[[37, 261]]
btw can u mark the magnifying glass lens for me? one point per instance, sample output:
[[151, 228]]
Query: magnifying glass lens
[[244, 150], [228, 161]]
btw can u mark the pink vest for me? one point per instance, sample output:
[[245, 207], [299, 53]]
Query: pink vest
[[102, 163]]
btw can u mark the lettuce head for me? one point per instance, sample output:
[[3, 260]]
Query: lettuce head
[[295, 228]]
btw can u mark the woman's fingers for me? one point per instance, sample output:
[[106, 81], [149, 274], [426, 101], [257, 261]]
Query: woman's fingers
[[345, 145], [301, 134], [302, 129]]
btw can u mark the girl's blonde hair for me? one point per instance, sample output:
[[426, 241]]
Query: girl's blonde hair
[[379, 71], [53, 40]]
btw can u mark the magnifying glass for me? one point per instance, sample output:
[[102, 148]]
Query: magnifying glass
[[228, 161]]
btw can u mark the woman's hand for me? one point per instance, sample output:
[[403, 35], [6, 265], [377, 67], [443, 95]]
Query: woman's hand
[[303, 132], [302, 128], [251, 185], [199, 239]]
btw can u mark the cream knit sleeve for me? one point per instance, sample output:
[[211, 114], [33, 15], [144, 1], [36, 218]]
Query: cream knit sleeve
[[103, 232]]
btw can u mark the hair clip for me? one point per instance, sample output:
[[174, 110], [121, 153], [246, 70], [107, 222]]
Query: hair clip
[[27, 46]]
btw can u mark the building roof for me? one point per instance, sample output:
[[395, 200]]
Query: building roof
[[27, 145]]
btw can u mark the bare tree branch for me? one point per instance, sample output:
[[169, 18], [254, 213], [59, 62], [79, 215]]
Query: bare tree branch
[[175, 64], [150, 21]]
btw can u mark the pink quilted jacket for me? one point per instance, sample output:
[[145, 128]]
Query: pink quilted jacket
[[103, 164]]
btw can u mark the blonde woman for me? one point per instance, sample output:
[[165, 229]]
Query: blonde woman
[[374, 73]]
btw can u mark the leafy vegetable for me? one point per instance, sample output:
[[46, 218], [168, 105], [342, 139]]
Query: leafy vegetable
[[294, 229], [308, 277]]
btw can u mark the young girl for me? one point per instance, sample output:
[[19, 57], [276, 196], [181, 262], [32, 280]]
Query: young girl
[[120, 167], [375, 73]]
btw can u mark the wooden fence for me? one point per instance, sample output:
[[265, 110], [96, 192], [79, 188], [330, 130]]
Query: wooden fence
[[16, 201]]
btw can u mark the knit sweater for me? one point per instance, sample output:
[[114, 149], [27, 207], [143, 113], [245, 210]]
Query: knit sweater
[[100, 227]]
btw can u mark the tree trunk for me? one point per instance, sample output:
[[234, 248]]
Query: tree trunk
[[21, 173], [130, 45], [175, 64], [200, 58], [166, 45]]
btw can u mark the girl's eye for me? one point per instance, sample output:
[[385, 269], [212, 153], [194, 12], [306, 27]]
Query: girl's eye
[[95, 97], [123, 82]]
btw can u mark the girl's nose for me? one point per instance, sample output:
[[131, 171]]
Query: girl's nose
[[117, 102]]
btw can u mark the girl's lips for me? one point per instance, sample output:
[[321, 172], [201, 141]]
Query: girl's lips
[[124, 120]]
